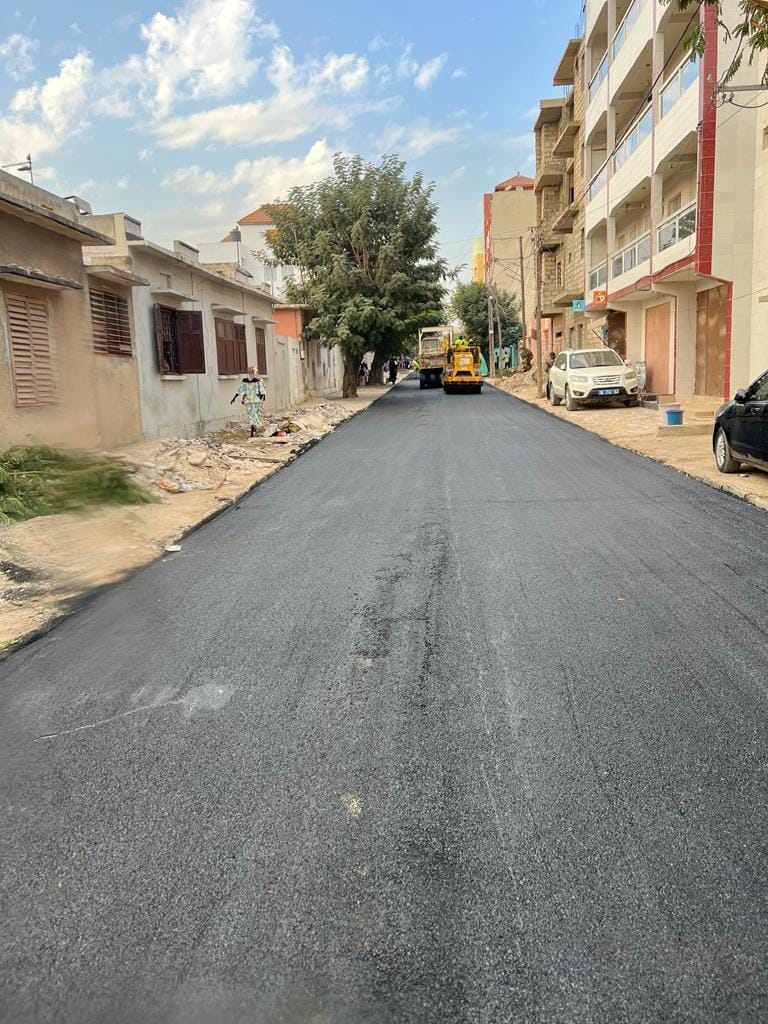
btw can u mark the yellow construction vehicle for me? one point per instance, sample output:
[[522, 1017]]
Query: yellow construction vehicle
[[462, 368]]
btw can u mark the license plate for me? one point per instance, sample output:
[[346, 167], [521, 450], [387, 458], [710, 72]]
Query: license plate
[[608, 391]]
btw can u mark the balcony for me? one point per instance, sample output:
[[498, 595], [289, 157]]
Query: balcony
[[632, 163], [679, 110], [629, 265], [597, 79], [596, 199], [676, 237], [598, 276], [563, 223], [549, 173], [632, 38]]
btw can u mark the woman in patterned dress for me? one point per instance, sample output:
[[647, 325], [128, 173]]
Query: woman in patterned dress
[[254, 394]]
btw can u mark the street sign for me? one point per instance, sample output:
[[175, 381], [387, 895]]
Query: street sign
[[600, 297], [579, 305]]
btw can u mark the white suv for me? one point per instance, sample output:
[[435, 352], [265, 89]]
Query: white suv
[[592, 375]]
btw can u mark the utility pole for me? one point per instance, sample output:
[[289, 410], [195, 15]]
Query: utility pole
[[539, 362], [491, 360], [524, 332], [499, 335]]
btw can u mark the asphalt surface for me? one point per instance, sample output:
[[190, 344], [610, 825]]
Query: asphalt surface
[[459, 718]]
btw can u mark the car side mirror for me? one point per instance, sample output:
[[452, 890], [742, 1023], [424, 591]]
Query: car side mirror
[[741, 397]]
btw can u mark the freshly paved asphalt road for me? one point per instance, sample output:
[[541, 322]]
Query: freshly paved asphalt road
[[460, 718]]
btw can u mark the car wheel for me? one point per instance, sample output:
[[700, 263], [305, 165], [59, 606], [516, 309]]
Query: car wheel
[[553, 397], [724, 461], [570, 404]]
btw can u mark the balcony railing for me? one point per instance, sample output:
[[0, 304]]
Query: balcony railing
[[597, 184], [677, 228], [635, 254], [625, 27], [598, 78], [598, 276], [685, 76], [639, 131]]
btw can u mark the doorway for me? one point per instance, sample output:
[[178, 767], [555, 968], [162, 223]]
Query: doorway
[[657, 321], [711, 320]]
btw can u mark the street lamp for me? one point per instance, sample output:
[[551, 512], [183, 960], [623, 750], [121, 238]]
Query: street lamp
[[22, 165]]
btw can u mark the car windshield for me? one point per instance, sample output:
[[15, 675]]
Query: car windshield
[[602, 357]]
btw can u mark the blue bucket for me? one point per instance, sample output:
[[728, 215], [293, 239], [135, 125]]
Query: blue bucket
[[674, 417]]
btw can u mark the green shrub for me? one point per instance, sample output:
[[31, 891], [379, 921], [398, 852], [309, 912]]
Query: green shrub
[[37, 480]]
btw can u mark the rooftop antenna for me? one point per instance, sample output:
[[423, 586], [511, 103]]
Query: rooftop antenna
[[22, 165]]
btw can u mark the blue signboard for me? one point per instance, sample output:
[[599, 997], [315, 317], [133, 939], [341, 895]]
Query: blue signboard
[[579, 305]]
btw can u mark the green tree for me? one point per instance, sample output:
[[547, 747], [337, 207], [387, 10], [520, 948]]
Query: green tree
[[364, 242], [469, 305], [749, 29]]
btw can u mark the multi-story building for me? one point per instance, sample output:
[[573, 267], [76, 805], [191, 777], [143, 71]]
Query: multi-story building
[[559, 189], [670, 201], [509, 215], [246, 244]]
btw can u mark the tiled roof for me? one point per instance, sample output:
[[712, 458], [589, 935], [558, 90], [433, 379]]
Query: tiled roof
[[519, 181], [260, 216]]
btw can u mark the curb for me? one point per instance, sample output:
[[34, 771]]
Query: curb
[[722, 488], [81, 601]]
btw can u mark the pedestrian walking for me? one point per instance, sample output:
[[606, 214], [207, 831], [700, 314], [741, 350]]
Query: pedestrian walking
[[362, 373], [254, 395], [393, 370]]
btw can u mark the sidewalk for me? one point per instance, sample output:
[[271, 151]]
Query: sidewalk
[[49, 564], [639, 430]]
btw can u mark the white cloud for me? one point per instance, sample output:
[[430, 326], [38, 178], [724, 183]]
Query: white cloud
[[54, 111], [428, 72], [145, 154], [377, 43], [201, 52], [122, 182], [459, 73], [305, 98], [16, 55], [267, 178], [75, 29], [418, 138], [407, 66], [383, 74]]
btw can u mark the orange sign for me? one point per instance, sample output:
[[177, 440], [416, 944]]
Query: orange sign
[[600, 297]]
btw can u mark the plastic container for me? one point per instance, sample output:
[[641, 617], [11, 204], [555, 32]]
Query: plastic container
[[674, 417]]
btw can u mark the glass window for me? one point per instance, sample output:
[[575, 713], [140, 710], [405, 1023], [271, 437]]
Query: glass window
[[595, 357], [617, 268], [560, 362], [687, 223], [674, 204], [760, 390], [689, 74], [667, 235], [644, 249]]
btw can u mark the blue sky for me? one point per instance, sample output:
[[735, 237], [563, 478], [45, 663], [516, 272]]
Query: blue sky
[[188, 114]]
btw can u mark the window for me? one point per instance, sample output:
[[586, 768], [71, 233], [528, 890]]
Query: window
[[179, 341], [230, 347], [560, 362], [760, 390], [674, 204], [261, 350], [111, 324], [34, 374], [583, 243]]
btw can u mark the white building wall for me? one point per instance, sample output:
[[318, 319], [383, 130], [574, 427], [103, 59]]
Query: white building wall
[[758, 299]]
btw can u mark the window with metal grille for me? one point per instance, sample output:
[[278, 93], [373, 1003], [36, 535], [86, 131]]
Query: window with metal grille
[[111, 324], [261, 350], [32, 362], [230, 347]]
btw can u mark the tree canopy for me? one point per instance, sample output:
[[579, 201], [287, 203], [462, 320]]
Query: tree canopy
[[749, 29], [364, 242], [469, 305]]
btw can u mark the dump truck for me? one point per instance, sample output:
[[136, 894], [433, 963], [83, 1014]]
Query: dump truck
[[434, 342], [462, 368]]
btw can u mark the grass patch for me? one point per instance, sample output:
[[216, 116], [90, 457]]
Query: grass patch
[[37, 480]]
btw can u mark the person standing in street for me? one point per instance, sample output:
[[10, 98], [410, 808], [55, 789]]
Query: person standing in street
[[254, 395], [393, 370]]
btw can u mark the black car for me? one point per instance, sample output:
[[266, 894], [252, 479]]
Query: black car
[[741, 429]]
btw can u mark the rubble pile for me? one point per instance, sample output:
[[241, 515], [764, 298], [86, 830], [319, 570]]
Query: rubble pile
[[178, 465]]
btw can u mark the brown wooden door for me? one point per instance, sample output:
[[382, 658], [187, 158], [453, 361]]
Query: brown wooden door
[[657, 320], [617, 332], [711, 314]]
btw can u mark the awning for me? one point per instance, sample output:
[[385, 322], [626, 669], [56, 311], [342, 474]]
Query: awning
[[114, 275], [29, 275], [170, 293], [226, 310]]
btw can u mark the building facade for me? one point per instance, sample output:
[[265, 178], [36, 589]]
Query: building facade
[[195, 332], [672, 208], [68, 368], [246, 244], [559, 188], [509, 218]]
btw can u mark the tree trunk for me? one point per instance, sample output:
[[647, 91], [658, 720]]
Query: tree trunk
[[351, 370], [377, 365]]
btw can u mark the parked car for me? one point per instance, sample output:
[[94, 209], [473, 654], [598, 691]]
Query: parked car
[[741, 429], [591, 376]]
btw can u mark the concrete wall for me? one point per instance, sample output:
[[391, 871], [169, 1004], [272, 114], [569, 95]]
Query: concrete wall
[[513, 214], [98, 401]]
